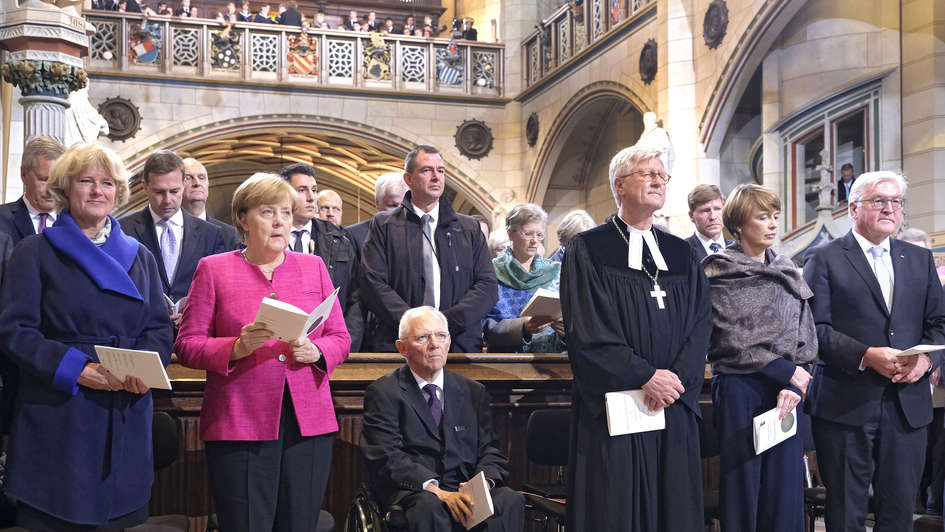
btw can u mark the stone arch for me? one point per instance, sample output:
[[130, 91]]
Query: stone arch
[[467, 189], [747, 55]]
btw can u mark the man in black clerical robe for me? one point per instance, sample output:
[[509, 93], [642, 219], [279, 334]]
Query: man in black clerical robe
[[626, 331]]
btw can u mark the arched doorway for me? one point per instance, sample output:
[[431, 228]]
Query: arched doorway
[[348, 158]]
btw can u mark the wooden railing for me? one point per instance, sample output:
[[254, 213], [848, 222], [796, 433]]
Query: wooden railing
[[569, 30], [269, 53]]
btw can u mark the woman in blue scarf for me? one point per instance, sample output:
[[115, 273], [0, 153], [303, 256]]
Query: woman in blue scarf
[[521, 271], [80, 446]]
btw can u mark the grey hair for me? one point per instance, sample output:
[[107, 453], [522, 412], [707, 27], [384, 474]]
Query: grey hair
[[404, 326], [916, 236], [523, 213], [386, 182], [574, 222], [625, 160], [871, 179], [498, 238]]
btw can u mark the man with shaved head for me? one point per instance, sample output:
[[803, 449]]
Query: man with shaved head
[[330, 207], [196, 193]]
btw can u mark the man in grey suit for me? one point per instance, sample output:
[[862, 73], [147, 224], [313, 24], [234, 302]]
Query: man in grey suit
[[874, 296], [195, 195], [175, 238], [705, 211]]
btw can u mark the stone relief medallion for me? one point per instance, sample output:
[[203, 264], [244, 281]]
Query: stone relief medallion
[[715, 23], [474, 139], [531, 130], [123, 117], [648, 61]]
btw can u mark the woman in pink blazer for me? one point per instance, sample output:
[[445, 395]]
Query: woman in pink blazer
[[267, 416]]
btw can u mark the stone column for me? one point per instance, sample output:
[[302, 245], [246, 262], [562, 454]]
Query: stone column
[[45, 79], [923, 111]]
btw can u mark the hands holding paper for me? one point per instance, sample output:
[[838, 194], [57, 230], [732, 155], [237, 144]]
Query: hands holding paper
[[912, 368], [536, 324], [460, 504], [889, 363], [252, 337], [304, 351], [662, 390], [787, 400], [96, 377]]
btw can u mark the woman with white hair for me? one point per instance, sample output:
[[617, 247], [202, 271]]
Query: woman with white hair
[[574, 222], [521, 271]]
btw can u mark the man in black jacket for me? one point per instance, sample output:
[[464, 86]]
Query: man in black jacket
[[428, 430], [424, 253], [195, 195], [328, 241]]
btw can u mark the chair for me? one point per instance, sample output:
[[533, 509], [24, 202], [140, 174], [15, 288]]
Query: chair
[[547, 436], [364, 514]]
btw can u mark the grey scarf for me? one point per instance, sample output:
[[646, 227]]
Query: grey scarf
[[760, 312]]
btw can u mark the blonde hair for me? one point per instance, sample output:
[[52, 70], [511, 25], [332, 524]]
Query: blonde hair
[[46, 147], [573, 223], [260, 189], [744, 200], [77, 159]]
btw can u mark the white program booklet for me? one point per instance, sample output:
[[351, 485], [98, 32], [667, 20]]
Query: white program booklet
[[770, 431], [628, 414], [921, 348], [478, 489], [289, 322], [543, 303], [175, 308], [146, 365]]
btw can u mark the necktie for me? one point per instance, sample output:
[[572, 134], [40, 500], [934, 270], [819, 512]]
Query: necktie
[[882, 274], [168, 249], [429, 299], [715, 247], [42, 222], [298, 240], [436, 406]]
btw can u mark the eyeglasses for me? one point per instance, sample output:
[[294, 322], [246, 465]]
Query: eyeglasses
[[532, 235], [649, 175], [880, 203], [440, 337]]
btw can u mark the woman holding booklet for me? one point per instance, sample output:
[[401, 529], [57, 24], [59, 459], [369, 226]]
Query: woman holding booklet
[[522, 271], [267, 416], [80, 449], [763, 335]]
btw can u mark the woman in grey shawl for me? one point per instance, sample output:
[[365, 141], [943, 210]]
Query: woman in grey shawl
[[763, 335]]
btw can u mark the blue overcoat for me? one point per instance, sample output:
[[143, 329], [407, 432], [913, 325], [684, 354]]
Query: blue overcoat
[[79, 454]]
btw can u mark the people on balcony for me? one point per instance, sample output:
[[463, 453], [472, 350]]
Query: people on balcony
[[262, 16], [291, 16], [245, 15], [409, 26], [183, 10]]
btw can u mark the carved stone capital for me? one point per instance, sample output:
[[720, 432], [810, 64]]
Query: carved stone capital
[[41, 77]]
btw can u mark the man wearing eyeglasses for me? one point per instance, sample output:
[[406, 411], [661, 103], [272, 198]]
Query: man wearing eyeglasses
[[874, 296], [428, 430], [423, 253]]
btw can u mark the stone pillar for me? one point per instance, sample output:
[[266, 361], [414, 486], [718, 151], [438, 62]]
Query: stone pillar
[[923, 111], [44, 115]]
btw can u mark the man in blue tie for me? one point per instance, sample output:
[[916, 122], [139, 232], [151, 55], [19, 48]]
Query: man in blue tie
[[705, 211], [175, 238], [428, 430], [874, 296]]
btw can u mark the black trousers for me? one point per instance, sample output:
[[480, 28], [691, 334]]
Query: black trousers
[[38, 521], [886, 452], [424, 512], [933, 477], [277, 485]]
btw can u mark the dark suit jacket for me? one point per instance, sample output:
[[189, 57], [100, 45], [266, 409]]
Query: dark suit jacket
[[6, 248], [231, 240], [851, 316], [842, 190], [359, 232], [200, 240], [698, 250], [403, 448], [290, 17], [15, 220]]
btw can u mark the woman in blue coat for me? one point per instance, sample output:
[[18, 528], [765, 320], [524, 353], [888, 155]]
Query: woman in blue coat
[[80, 452]]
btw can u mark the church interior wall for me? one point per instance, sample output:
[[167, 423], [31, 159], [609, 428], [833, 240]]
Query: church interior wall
[[735, 167]]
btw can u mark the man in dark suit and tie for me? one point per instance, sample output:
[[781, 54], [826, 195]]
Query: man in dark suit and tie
[[35, 210], [845, 183], [389, 192], [176, 239], [428, 430], [195, 195], [873, 296], [705, 211]]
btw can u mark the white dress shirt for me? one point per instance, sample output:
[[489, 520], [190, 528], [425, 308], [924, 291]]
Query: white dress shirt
[[177, 225], [434, 217], [706, 242], [865, 246], [34, 215], [438, 382], [306, 237]]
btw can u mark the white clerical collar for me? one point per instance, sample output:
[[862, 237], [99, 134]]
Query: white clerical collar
[[177, 219], [34, 212], [421, 382], [635, 248]]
